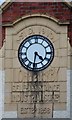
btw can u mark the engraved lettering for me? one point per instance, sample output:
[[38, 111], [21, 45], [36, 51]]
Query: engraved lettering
[[30, 31]]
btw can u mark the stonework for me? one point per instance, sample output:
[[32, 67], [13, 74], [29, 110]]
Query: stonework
[[22, 93]]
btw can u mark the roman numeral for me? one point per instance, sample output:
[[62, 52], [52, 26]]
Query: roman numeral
[[22, 53], [25, 59], [36, 40], [46, 59], [30, 42], [29, 64], [48, 52]]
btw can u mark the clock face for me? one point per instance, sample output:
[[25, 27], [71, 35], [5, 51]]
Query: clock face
[[36, 53]]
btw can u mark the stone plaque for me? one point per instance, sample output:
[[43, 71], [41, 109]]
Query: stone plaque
[[25, 110], [35, 110]]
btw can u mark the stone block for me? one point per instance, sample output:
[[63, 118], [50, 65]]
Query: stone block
[[47, 97], [56, 97], [56, 52], [16, 44], [8, 63], [62, 52], [37, 29], [10, 107], [31, 97], [60, 106], [31, 21], [63, 97], [7, 97], [8, 53], [9, 31], [29, 31], [63, 41], [8, 42], [56, 44], [7, 87], [62, 74], [15, 97], [51, 74], [63, 86], [63, 61], [16, 63], [20, 26], [25, 110], [55, 62], [21, 75], [16, 75], [8, 75], [16, 87], [53, 86], [15, 53], [44, 110]]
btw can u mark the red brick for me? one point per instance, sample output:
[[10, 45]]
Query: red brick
[[58, 10]]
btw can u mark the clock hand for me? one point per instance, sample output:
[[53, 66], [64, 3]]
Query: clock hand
[[34, 59], [40, 57]]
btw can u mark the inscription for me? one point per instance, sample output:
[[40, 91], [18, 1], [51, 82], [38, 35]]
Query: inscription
[[15, 97], [36, 97], [39, 86], [30, 31], [25, 110], [17, 87], [51, 86], [31, 97], [36, 30], [42, 30], [44, 110]]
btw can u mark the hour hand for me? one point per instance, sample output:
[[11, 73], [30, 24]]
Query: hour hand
[[40, 57]]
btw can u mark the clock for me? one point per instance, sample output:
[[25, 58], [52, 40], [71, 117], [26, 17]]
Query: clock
[[36, 53]]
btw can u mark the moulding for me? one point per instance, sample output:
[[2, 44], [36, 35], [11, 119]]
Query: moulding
[[36, 15]]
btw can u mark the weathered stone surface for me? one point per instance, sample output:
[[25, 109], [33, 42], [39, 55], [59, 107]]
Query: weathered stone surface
[[31, 98]]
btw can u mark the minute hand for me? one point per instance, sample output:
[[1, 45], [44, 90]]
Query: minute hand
[[34, 59]]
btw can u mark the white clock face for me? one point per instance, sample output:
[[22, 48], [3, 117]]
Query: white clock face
[[36, 53]]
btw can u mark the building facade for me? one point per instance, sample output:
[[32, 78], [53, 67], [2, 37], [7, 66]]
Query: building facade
[[35, 60]]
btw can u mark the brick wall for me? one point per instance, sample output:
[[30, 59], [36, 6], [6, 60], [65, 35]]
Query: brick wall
[[58, 10]]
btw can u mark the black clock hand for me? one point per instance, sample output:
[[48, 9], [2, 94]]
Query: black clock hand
[[34, 59], [40, 57]]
